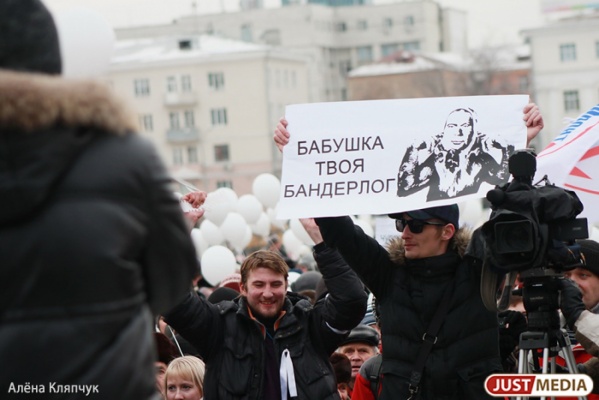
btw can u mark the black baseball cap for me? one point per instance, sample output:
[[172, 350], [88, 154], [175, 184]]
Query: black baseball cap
[[449, 214]]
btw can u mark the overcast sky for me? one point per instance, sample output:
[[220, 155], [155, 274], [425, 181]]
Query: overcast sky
[[489, 21]]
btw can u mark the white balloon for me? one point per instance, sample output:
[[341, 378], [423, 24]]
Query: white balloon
[[291, 278], [292, 244], [262, 226], [201, 244], [86, 43], [300, 232], [247, 238], [234, 229], [266, 188], [218, 204], [211, 233], [250, 208], [272, 214], [217, 263]]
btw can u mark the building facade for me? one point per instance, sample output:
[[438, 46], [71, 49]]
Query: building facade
[[565, 70], [209, 104], [334, 39]]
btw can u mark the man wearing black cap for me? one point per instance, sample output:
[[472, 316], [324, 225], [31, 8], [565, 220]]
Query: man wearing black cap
[[587, 276], [420, 271], [361, 344]]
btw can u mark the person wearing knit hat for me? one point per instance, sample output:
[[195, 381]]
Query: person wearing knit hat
[[586, 276], [93, 242]]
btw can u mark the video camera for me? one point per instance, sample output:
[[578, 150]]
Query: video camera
[[531, 232]]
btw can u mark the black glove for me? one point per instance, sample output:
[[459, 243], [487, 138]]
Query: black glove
[[570, 301], [511, 325]]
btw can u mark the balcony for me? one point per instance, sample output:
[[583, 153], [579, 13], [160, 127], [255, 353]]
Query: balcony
[[182, 135], [180, 99]]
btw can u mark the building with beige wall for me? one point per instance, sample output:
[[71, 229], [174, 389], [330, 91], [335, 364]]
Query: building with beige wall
[[565, 68], [209, 104]]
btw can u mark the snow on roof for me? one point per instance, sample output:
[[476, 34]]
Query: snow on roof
[[503, 58], [166, 48]]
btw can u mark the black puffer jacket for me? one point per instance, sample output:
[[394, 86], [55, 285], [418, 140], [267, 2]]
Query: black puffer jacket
[[92, 240], [408, 293], [232, 344]]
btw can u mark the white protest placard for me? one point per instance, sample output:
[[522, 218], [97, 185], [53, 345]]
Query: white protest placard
[[571, 161], [386, 156]]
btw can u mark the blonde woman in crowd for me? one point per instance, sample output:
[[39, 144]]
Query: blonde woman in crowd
[[184, 379]]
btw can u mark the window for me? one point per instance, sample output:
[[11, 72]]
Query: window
[[411, 46], [225, 184], [408, 21], [218, 116], [146, 122], [567, 52], [387, 23], [192, 155], [177, 156], [171, 84], [364, 54], [387, 49], [246, 33], [174, 120], [216, 80], [571, 102], [141, 87], [186, 83], [341, 27], [362, 25], [189, 119], [293, 79], [221, 152]]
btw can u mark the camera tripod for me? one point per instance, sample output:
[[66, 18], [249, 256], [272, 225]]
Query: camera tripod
[[551, 343], [544, 339]]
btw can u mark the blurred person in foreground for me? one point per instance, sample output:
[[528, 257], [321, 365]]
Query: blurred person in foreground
[[271, 344], [425, 276], [92, 239]]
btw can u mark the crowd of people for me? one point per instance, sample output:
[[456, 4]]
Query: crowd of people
[[101, 296]]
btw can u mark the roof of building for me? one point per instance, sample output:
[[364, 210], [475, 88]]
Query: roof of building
[[149, 50]]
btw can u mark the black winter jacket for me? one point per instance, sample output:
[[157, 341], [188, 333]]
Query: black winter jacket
[[232, 343], [408, 293], [92, 241]]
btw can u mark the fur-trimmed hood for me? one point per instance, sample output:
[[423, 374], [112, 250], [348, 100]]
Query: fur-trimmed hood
[[459, 244], [46, 122], [32, 102]]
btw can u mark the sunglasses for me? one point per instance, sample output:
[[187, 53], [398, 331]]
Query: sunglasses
[[415, 225]]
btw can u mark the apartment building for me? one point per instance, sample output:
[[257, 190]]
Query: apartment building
[[334, 39], [209, 104], [565, 70]]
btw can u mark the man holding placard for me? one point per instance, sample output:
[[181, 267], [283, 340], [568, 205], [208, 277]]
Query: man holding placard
[[440, 341]]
